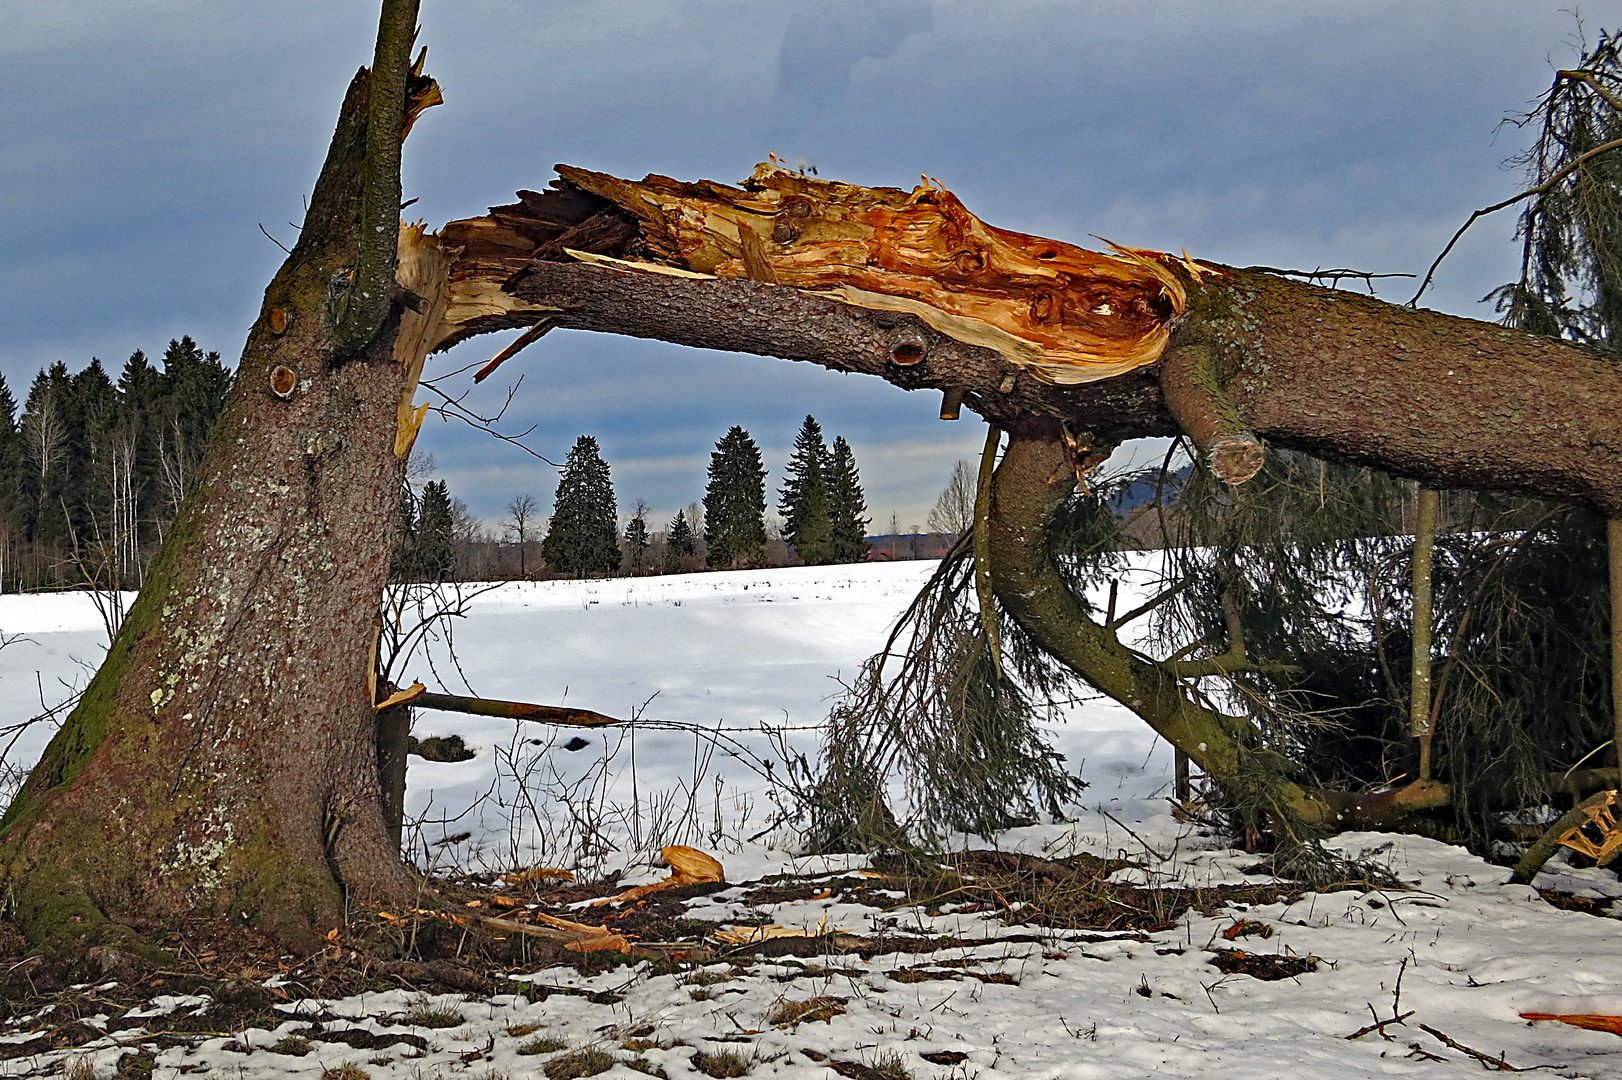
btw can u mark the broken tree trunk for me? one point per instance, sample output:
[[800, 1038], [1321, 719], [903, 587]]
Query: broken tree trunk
[[1071, 351], [1449, 401], [224, 759]]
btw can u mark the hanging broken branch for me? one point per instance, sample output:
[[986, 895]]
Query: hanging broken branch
[[512, 710]]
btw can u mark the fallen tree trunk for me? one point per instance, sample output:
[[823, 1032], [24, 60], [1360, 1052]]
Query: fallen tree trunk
[[1072, 352], [1449, 401]]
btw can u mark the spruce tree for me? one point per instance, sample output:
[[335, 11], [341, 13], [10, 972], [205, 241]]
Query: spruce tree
[[584, 535], [637, 538], [846, 505], [405, 565], [735, 502], [90, 418], [10, 457], [804, 498], [435, 555], [680, 544], [193, 392]]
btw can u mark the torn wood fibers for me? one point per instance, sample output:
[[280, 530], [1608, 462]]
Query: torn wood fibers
[[1065, 314]]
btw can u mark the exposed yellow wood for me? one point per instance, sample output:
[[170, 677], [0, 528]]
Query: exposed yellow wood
[[402, 697], [408, 427], [1067, 314], [424, 269], [1603, 820], [633, 264], [371, 662], [1064, 313], [476, 298]]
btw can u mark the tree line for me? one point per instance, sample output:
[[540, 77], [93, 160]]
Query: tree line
[[821, 502], [93, 469]]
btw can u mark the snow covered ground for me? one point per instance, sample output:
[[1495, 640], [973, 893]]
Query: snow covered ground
[[738, 650], [701, 652]]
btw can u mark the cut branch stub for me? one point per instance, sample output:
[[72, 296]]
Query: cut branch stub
[[907, 347], [283, 381]]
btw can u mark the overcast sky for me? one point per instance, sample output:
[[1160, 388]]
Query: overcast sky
[[147, 140]]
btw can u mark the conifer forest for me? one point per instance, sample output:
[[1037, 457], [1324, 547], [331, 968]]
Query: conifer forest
[[93, 468]]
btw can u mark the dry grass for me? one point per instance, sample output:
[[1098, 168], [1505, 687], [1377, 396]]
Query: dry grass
[[541, 1046], [721, 1063], [587, 1061], [892, 1065], [425, 1015], [346, 1071], [823, 1008]]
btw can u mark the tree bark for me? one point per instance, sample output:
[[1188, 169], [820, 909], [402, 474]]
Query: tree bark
[[224, 758]]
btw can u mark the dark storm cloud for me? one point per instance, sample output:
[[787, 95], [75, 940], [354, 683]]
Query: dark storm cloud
[[146, 140]]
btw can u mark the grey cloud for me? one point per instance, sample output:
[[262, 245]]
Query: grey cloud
[[147, 140]]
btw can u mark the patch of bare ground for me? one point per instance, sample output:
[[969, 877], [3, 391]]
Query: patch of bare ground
[[444, 946]]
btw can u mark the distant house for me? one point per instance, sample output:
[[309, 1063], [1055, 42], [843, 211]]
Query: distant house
[[908, 546]]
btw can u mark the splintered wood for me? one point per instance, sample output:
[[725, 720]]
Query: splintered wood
[[423, 271], [688, 866], [1600, 837], [1591, 1021], [1066, 314]]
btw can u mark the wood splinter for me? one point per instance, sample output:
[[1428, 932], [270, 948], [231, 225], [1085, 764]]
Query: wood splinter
[[513, 710], [524, 341]]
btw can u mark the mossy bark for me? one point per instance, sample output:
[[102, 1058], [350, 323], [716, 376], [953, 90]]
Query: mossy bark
[[223, 761]]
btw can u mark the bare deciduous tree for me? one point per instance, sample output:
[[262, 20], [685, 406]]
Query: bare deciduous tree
[[519, 525], [953, 512]]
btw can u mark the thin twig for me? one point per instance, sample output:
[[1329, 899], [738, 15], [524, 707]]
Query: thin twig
[[1560, 174], [1379, 1025], [273, 240], [1487, 1060]]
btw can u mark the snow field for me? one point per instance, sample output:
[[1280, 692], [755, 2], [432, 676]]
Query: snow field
[[737, 650]]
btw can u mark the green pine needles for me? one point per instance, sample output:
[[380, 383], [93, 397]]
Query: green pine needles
[[821, 501], [681, 543], [1571, 262], [735, 503], [846, 505], [804, 499], [583, 537], [92, 472]]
